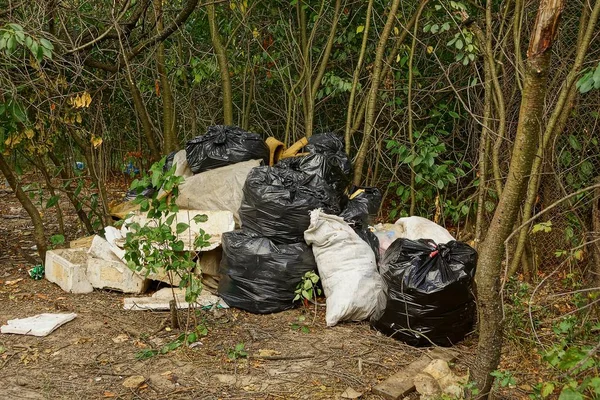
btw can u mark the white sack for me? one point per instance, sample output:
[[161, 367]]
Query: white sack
[[416, 228], [217, 189], [413, 228], [181, 165], [347, 267]]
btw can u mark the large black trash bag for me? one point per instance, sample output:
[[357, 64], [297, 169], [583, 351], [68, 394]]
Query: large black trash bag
[[260, 276], [224, 145], [330, 168], [277, 202], [325, 143], [360, 212], [169, 161], [362, 206], [429, 296]]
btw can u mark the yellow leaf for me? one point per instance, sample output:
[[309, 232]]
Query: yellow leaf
[[398, 58], [79, 118], [578, 255], [96, 141], [29, 133], [360, 28], [232, 5], [429, 49], [396, 30], [255, 33]]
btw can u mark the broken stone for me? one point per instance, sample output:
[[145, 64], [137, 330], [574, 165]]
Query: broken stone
[[133, 382], [38, 325], [427, 386]]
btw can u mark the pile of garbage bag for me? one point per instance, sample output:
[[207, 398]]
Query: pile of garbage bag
[[295, 211]]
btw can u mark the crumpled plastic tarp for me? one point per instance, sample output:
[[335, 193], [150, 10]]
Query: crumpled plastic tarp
[[429, 292], [224, 145], [260, 276]]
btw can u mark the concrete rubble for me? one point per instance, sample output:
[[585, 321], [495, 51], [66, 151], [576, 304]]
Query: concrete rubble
[[100, 262]]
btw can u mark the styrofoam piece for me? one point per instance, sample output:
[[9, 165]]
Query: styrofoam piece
[[38, 325], [114, 275], [67, 268], [160, 300], [217, 223], [103, 250]]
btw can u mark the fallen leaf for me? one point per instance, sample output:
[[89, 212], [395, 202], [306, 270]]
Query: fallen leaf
[[109, 394], [268, 353], [121, 338], [350, 393], [10, 283], [41, 296]]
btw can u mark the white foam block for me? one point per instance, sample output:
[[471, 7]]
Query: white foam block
[[38, 325]]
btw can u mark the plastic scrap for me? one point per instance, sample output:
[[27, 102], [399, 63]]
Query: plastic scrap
[[277, 203], [260, 276], [416, 228], [347, 267], [429, 297], [224, 145]]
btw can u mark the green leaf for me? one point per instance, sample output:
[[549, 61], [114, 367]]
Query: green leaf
[[46, 43], [594, 384], [360, 28], [52, 201], [191, 338], [200, 218], [181, 227], [570, 394], [459, 44], [440, 184], [542, 227], [57, 239], [547, 389]]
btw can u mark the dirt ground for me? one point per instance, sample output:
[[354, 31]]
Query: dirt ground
[[92, 356]]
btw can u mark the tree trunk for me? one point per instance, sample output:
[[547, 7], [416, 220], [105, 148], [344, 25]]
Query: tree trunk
[[38, 226], [489, 267], [361, 56], [221, 54], [169, 118], [67, 176], [372, 101], [556, 123], [142, 114]]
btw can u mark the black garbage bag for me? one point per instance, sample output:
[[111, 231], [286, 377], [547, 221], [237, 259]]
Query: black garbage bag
[[224, 145], [277, 203], [260, 276], [334, 169], [169, 161], [363, 205], [325, 143], [429, 296], [360, 212], [132, 194]]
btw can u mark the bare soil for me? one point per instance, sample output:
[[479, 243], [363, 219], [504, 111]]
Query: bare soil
[[92, 356]]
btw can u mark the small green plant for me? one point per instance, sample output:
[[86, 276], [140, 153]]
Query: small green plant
[[155, 246], [182, 339], [56, 240], [307, 288], [300, 325], [239, 351], [503, 379]]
